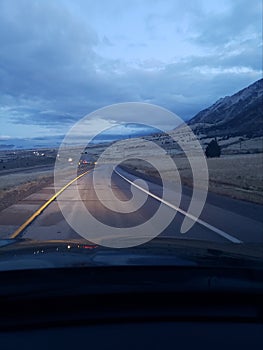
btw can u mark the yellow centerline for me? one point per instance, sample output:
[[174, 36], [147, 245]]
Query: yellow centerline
[[43, 207]]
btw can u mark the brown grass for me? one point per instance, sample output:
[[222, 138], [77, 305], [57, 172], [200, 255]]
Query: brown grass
[[12, 194], [236, 176]]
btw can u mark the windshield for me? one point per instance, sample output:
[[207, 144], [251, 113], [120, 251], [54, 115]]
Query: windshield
[[131, 133]]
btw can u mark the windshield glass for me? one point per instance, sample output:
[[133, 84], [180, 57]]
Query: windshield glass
[[131, 133]]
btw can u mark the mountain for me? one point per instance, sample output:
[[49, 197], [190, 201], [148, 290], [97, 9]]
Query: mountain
[[238, 115]]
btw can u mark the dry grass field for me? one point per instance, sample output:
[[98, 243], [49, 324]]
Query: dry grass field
[[14, 187], [237, 176]]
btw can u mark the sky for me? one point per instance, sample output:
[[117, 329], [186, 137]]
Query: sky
[[62, 59]]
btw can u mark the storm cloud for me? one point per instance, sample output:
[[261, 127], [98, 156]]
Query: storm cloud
[[60, 60]]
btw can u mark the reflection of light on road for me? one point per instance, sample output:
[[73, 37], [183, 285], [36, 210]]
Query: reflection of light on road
[[116, 153]]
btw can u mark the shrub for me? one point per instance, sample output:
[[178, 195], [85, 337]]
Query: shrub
[[213, 149]]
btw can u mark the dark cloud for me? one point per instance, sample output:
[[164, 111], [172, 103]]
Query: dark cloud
[[42, 46], [241, 19], [51, 73]]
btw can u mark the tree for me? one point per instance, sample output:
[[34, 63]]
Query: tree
[[213, 149]]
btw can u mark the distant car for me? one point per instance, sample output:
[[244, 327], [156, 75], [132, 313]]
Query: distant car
[[84, 162]]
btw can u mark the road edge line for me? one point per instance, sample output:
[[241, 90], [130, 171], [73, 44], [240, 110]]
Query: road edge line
[[199, 221]]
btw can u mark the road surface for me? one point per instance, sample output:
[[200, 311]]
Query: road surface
[[223, 219]]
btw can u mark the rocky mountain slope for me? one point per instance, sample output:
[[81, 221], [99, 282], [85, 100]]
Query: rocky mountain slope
[[238, 115]]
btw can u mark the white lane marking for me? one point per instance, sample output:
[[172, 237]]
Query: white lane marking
[[201, 222]]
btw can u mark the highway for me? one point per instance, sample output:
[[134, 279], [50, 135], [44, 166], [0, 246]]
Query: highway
[[223, 220]]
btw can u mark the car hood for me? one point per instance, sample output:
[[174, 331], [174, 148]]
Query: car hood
[[29, 254]]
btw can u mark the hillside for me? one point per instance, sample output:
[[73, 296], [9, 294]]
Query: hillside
[[238, 115]]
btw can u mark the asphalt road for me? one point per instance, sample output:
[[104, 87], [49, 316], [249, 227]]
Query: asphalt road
[[222, 220]]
